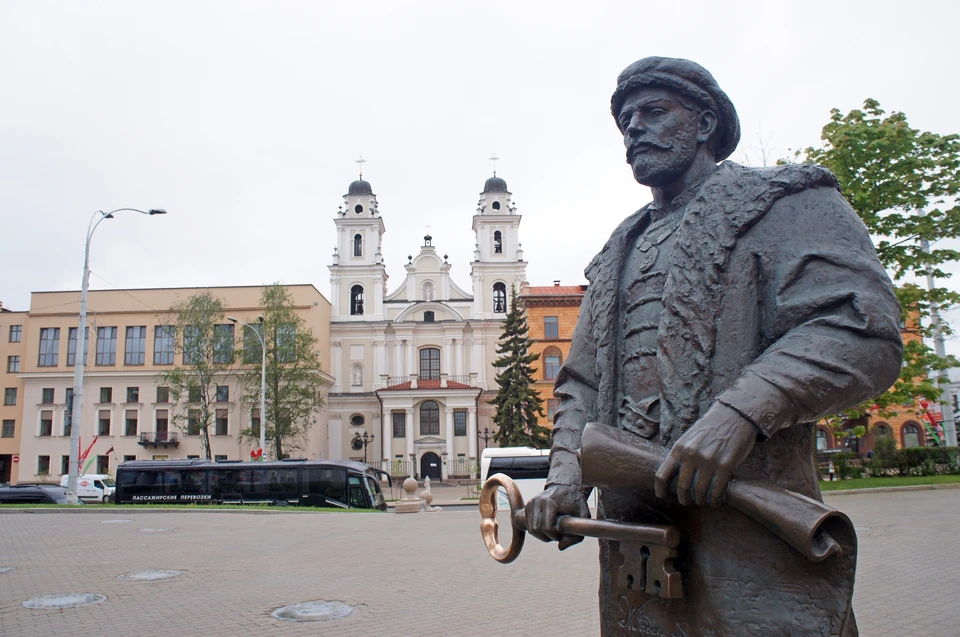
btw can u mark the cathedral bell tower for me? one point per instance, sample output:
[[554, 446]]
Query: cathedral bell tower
[[358, 278], [498, 258]]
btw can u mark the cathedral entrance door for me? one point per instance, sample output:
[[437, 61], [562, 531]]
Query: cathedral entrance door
[[430, 467]]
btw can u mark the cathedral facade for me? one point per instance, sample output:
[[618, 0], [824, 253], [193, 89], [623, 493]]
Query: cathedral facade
[[413, 365]]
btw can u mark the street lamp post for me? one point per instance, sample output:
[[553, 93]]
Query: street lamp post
[[485, 437], [263, 380], [75, 419], [366, 439]]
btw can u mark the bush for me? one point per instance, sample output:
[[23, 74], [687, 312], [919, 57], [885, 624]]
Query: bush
[[847, 465]]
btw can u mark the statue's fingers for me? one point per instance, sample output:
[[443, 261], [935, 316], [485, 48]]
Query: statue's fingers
[[665, 474], [720, 481], [550, 520], [534, 515], [701, 486], [569, 540], [685, 481]]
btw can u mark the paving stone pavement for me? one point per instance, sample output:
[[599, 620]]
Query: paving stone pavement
[[405, 575]]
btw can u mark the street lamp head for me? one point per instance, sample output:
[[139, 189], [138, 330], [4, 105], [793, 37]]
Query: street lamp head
[[156, 211], [260, 318], [232, 320]]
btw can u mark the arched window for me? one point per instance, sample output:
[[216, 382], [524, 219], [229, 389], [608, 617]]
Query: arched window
[[429, 418], [428, 317], [357, 245], [428, 290], [821, 439], [499, 298], [496, 205], [911, 434], [429, 363], [356, 300], [497, 242], [552, 359], [881, 430], [356, 375]]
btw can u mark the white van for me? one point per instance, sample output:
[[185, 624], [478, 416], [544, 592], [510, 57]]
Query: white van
[[93, 487], [527, 466]]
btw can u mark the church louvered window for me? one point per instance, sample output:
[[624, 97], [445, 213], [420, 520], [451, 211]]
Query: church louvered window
[[356, 300]]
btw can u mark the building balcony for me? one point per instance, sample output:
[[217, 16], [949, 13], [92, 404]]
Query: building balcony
[[159, 440], [397, 383]]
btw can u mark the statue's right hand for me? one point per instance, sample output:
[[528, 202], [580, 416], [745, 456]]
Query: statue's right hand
[[543, 510]]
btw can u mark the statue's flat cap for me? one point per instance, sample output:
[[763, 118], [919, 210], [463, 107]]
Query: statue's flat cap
[[689, 79]]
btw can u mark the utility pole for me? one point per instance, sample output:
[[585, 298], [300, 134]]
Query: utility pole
[[946, 395]]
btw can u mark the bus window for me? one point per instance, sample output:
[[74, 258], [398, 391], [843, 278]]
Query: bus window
[[376, 495], [330, 483], [356, 496], [142, 482], [224, 481], [171, 481], [193, 481], [275, 481]]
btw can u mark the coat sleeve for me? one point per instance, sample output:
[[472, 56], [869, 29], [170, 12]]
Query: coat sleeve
[[830, 319], [576, 387]]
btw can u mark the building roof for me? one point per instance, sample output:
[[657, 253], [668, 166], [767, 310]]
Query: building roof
[[494, 184], [360, 187], [555, 290]]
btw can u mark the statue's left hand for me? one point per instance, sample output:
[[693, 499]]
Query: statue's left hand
[[706, 456]]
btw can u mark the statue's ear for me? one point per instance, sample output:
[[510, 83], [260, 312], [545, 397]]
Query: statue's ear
[[707, 126]]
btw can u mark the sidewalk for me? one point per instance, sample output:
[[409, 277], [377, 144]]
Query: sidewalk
[[443, 494]]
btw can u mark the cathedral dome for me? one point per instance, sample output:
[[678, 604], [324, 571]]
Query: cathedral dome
[[360, 188], [494, 184]]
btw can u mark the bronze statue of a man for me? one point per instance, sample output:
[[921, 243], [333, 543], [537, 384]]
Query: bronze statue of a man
[[721, 321]]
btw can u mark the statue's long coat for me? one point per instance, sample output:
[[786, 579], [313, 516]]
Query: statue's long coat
[[776, 305]]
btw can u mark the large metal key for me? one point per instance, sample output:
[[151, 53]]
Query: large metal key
[[659, 575]]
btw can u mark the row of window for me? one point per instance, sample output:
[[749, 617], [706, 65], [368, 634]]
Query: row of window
[[499, 299], [48, 395], [221, 423], [164, 345], [429, 421], [103, 464]]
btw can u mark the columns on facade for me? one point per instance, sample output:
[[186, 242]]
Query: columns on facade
[[386, 437], [450, 454], [336, 366], [472, 430], [379, 361], [409, 432], [448, 344], [410, 358], [458, 351], [397, 358], [477, 362], [378, 297]]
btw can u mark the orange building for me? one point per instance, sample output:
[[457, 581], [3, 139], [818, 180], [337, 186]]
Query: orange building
[[908, 426], [552, 313]]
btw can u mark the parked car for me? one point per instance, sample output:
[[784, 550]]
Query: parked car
[[33, 494]]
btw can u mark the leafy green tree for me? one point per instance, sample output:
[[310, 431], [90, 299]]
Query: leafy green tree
[[902, 182], [518, 403], [294, 380], [205, 343]]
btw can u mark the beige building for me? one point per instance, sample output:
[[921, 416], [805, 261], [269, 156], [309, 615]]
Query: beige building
[[124, 413], [13, 332], [413, 366]]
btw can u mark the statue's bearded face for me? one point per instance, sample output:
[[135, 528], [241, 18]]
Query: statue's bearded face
[[660, 134]]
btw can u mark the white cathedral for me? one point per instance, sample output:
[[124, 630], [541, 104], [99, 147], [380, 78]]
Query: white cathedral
[[413, 367]]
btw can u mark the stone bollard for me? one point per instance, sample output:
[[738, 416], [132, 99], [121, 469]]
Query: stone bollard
[[428, 498], [409, 503]]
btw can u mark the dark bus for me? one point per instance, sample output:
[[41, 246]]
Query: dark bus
[[318, 483]]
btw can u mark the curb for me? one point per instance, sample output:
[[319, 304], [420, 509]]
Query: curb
[[912, 487], [121, 512]]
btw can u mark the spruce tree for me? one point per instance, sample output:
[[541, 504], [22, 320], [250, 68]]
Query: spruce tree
[[518, 403]]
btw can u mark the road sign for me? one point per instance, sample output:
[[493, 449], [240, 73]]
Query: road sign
[[16, 458]]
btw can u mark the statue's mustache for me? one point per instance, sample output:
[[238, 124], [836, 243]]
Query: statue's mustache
[[640, 147]]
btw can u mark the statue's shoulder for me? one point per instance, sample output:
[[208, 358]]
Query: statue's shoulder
[[788, 177]]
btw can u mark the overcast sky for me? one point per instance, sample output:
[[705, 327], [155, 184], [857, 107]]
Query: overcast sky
[[244, 120]]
